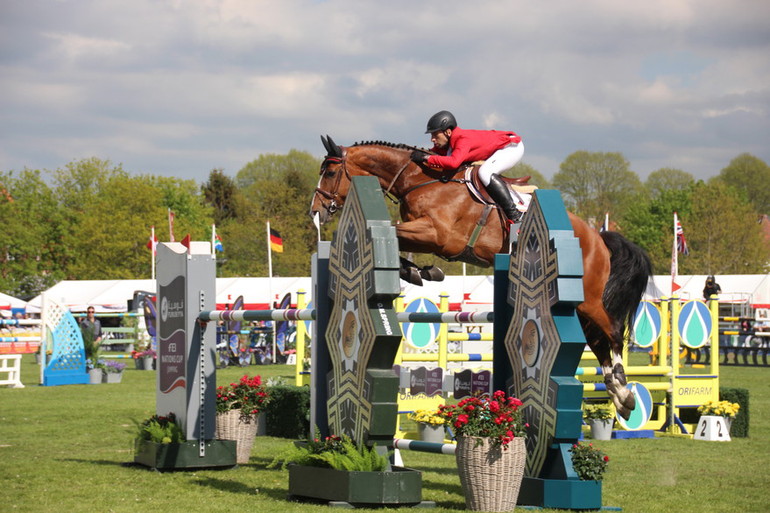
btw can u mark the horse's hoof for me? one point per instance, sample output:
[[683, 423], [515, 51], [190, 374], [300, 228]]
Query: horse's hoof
[[625, 413], [410, 275], [432, 273]]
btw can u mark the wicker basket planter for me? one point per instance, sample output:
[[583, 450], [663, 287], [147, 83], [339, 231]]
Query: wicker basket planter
[[231, 426], [490, 476]]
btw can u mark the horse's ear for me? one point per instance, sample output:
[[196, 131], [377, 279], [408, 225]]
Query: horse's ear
[[326, 145], [333, 149]]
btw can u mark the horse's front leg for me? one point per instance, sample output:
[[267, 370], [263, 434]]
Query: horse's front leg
[[418, 236]]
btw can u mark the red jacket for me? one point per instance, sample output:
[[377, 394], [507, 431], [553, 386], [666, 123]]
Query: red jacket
[[470, 146]]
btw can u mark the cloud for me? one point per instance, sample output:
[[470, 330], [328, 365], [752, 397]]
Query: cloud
[[179, 88]]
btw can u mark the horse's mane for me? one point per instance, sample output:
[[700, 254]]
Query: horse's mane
[[398, 146]]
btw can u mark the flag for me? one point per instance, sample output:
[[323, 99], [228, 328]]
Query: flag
[[606, 226], [276, 243], [218, 243], [681, 243], [679, 246], [153, 242], [171, 225], [186, 242]]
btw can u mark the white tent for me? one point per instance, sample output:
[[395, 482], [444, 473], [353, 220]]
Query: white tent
[[467, 293], [8, 302]]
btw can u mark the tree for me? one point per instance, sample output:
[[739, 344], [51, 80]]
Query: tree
[[596, 183], [666, 179], [522, 169], [221, 194], [723, 234], [31, 219], [751, 176], [649, 223]]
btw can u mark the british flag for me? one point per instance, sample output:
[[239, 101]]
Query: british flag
[[681, 242]]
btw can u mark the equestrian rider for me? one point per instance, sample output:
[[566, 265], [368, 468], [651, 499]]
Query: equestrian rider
[[455, 146]]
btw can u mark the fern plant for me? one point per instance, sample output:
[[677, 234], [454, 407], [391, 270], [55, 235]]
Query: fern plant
[[339, 453]]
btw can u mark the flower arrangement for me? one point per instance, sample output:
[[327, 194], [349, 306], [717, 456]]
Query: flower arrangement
[[142, 354], [339, 453], [719, 408], [497, 417], [160, 429], [589, 462], [248, 395], [113, 367], [597, 412], [426, 417]]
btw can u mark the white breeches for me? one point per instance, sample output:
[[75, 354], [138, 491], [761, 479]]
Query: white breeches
[[501, 160]]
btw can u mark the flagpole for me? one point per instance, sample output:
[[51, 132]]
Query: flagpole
[[270, 282], [213, 238], [152, 249], [674, 259]]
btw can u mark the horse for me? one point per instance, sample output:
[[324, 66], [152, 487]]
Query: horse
[[439, 216]]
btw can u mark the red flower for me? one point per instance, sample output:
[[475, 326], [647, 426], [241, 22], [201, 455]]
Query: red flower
[[606, 458]]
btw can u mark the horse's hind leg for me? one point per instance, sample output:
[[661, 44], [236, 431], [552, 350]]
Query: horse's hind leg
[[607, 348]]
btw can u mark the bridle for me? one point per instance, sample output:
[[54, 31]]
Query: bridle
[[335, 202]]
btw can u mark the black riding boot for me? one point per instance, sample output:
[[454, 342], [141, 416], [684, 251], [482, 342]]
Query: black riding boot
[[498, 189]]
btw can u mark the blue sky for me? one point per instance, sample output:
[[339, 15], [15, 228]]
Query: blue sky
[[179, 88]]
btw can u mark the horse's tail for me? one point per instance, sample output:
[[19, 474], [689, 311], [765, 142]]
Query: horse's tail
[[630, 270]]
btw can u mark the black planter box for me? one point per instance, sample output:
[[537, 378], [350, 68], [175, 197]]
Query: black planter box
[[399, 487], [185, 455]]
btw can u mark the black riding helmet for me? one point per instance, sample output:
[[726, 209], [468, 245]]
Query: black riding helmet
[[441, 121]]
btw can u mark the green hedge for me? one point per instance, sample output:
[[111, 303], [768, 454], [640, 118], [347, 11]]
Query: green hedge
[[288, 412], [740, 427]]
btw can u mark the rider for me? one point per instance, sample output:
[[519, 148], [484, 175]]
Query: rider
[[454, 145]]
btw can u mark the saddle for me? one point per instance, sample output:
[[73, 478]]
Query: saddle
[[519, 185]]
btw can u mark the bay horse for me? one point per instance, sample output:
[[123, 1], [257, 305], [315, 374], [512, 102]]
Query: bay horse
[[438, 216]]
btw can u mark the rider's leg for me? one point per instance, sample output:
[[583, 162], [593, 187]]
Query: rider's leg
[[500, 161]]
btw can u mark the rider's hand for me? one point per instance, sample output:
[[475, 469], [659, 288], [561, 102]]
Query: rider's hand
[[419, 156]]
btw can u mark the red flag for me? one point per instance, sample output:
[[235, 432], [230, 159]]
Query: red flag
[[153, 243], [171, 216], [186, 242]]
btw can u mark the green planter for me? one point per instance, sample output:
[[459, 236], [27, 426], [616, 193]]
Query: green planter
[[185, 455], [399, 487], [560, 493]]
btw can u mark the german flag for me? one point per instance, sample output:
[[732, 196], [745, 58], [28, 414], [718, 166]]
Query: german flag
[[276, 242]]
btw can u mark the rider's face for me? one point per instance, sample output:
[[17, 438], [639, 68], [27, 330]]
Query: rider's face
[[440, 138]]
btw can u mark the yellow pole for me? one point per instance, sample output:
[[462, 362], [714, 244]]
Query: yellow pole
[[443, 306], [301, 337]]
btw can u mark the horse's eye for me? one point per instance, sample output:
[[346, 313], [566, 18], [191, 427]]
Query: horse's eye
[[329, 173]]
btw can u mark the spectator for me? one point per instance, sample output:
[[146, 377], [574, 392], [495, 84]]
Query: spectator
[[712, 287]]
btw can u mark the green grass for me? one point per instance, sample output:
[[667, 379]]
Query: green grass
[[69, 448]]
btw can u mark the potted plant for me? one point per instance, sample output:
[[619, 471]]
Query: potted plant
[[588, 462], [144, 358], [429, 424], [600, 419], [337, 469], [113, 371], [716, 420], [160, 443], [238, 407], [491, 451]]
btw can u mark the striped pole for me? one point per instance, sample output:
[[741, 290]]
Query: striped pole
[[417, 445], [288, 314]]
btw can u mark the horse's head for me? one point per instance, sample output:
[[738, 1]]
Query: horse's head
[[334, 183]]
